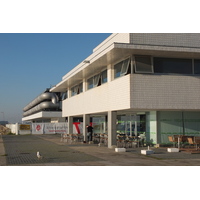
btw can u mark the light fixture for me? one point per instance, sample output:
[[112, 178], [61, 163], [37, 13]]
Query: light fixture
[[86, 61]]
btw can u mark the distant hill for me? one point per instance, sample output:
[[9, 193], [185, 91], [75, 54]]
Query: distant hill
[[3, 122]]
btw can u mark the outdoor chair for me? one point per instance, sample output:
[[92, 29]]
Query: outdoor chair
[[70, 138], [142, 138], [197, 141], [171, 139], [96, 138], [178, 138], [192, 141], [74, 138], [63, 137], [120, 141], [130, 142], [102, 138], [105, 139], [80, 138]]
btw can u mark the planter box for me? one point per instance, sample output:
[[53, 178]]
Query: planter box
[[147, 152], [120, 150], [172, 149]]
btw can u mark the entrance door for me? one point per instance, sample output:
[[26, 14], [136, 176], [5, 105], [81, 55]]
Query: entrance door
[[131, 125]]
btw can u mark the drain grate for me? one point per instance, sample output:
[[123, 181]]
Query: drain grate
[[24, 153]]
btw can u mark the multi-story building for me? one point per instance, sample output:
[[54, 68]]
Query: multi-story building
[[46, 107], [137, 83]]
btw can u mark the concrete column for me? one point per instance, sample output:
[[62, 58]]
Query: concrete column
[[112, 117], [70, 124], [69, 92], [17, 129], [84, 85], [151, 127], [86, 121]]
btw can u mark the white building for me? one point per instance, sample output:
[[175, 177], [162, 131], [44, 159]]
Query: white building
[[137, 83], [46, 107]]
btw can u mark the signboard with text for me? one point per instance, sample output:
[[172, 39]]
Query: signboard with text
[[24, 127]]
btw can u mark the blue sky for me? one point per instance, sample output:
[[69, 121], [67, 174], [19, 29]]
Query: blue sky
[[32, 62]]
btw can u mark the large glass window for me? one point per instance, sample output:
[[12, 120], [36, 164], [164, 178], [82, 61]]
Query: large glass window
[[196, 66], [97, 80], [99, 124], [178, 123], [122, 68], [173, 65], [131, 125], [143, 64]]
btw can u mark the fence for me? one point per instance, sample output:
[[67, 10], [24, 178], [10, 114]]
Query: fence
[[44, 128]]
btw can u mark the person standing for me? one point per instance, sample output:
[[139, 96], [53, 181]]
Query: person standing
[[89, 132]]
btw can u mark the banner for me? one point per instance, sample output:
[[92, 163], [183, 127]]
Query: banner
[[53, 128], [78, 127], [61, 127], [38, 128]]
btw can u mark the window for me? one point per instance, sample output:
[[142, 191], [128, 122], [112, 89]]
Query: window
[[80, 88], [173, 65], [77, 89], [117, 68], [64, 95], [122, 68], [143, 64], [74, 90], [104, 77], [125, 67], [97, 80], [196, 66], [90, 83]]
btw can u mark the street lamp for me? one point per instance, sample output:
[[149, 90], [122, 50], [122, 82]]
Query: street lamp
[[3, 116]]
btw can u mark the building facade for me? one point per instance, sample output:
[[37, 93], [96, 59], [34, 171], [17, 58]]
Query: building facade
[[137, 83]]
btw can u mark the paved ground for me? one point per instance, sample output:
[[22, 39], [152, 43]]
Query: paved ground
[[21, 151]]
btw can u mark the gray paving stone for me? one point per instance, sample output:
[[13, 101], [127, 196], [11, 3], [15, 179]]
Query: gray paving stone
[[21, 151]]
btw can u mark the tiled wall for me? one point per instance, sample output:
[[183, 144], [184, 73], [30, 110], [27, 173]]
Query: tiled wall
[[165, 92], [168, 39], [114, 95]]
